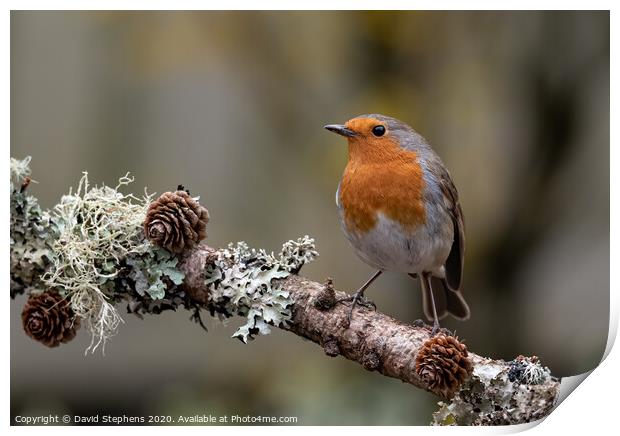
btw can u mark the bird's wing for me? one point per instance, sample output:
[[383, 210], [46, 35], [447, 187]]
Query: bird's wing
[[454, 263]]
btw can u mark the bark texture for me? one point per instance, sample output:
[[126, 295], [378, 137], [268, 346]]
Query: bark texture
[[498, 392]]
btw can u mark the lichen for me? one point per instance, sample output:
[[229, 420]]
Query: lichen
[[100, 254], [149, 271], [528, 370], [98, 227], [494, 396], [244, 281], [91, 248], [32, 233], [20, 169]]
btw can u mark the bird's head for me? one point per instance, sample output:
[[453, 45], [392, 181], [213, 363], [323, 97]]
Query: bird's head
[[377, 137]]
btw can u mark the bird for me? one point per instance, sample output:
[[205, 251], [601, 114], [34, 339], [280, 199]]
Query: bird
[[400, 211]]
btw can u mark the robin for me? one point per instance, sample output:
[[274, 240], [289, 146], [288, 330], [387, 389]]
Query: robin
[[400, 211]]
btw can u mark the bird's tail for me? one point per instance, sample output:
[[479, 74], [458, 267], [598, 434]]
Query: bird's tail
[[446, 300]]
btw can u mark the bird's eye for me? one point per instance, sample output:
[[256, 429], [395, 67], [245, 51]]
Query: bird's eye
[[378, 130]]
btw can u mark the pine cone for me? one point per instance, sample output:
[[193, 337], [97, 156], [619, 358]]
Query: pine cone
[[49, 319], [443, 364], [176, 221]]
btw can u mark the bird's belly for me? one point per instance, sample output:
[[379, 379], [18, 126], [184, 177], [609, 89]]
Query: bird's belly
[[389, 246]]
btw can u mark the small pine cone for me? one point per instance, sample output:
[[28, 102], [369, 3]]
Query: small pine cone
[[49, 319], [176, 221], [443, 364]]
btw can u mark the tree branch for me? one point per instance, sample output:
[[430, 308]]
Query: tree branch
[[96, 248], [498, 392]]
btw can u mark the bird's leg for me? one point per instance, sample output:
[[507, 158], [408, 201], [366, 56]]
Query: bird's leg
[[427, 278], [358, 296]]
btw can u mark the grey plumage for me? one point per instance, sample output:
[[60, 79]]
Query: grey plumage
[[436, 248]]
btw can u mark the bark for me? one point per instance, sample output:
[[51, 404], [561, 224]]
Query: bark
[[497, 392]]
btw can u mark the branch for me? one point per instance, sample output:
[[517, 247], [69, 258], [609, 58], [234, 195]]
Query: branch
[[497, 392], [99, 247]]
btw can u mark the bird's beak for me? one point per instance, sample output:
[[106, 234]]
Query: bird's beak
[[340, 129]]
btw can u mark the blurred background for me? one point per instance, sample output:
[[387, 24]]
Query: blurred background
[[232, 104]]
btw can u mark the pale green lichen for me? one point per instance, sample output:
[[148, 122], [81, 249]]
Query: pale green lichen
[[100, 246], [32, 233], [529, 370], [243, 281], [149, 270], [98, 227], [91, 248], [500, 394], [20, 169]]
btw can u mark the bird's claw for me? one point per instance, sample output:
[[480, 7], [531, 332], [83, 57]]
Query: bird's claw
[[437, 329], [419, 323], [356, 299], [368, 304]]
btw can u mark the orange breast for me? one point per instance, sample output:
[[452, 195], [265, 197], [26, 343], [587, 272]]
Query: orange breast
[[394, 188]]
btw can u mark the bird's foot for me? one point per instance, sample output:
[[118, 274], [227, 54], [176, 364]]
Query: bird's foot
[[357, 299], [437, 329], [420, 323]]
